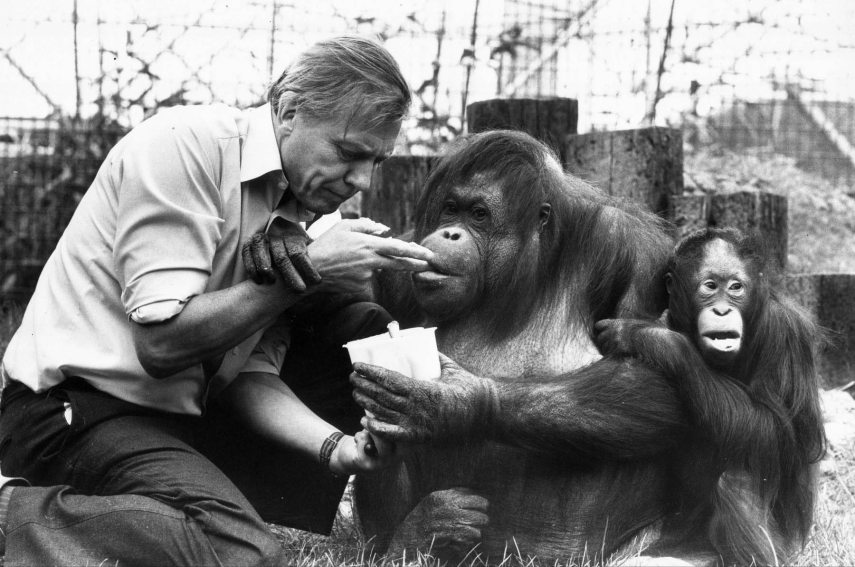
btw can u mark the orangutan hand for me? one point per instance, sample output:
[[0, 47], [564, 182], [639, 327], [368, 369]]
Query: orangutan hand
[[403, 409], [628, 337], [614, 336], [446, 524], [285, 254]]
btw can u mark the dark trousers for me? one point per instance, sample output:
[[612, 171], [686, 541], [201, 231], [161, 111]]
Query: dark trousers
[[130, 485]]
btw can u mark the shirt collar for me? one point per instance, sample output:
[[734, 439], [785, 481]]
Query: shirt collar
[[291, 210], [260, 152]]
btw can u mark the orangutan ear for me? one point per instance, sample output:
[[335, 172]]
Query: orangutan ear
[[669, 281], [545, 213]]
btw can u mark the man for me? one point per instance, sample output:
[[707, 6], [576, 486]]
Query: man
[[143, 316]]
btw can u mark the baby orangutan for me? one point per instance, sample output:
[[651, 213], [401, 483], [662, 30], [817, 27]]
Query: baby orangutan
[[743, 360]]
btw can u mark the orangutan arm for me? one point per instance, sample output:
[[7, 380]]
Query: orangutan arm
[[611, 409]]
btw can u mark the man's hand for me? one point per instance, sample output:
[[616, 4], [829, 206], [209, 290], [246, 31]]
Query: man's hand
[[344, 258], [456, 405], [349, 253], [285, 254], [351, 455]]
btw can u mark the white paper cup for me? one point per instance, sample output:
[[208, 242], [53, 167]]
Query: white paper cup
[[413, 352]]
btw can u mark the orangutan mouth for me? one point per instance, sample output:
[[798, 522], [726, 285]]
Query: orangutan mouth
[[722, 340]]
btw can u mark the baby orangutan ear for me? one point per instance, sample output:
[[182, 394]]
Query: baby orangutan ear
[[669, 281], [545, 213]]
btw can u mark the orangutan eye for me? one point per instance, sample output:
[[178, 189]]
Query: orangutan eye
[[449, 207], [710, 285], [479, 213], [737, 287]]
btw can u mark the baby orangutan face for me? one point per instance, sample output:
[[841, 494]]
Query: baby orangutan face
[[720, 286]]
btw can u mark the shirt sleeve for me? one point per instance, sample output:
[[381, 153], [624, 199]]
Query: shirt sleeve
[[169, 210], [157, 312], [269, 354], [323, 224]]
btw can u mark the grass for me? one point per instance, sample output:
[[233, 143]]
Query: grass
[[831, 543]]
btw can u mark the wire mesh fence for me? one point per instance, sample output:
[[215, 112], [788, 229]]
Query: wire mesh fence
[[775, 76], [46, 165]]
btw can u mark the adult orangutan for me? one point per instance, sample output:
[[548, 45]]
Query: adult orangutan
[[742, 357], [553, 452], [550, 451]]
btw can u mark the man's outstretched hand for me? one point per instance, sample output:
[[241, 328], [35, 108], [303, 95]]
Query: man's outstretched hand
[[345, 257], [285, 254], [403, 409]]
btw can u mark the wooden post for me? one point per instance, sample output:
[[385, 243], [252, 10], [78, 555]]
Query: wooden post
[[549, 120], [830, 298], [749, 211], [688, 213], [644, 165], [395, 188], [757, 211]]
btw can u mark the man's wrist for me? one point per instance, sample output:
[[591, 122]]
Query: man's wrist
[[330, 453], [277, 295]]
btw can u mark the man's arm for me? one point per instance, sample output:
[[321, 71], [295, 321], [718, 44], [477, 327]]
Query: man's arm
[[269, 407], [209, 325], [612, 409], [346, 256]]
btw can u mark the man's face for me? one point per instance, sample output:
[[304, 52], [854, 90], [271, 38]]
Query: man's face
[[328, 161]]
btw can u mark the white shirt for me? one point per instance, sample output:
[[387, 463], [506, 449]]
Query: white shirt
[[163, 221]]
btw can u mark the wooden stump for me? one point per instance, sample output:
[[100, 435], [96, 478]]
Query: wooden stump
[[549, 120], [644, 165], [750, 211], [688, 213], [830, 298], [395, 189], [757, 211]]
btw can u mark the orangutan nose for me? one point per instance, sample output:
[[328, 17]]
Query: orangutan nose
[[451, 233], [721, 310]]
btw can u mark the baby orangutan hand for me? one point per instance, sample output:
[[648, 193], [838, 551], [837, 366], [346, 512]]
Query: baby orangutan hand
[[403, 409], [285, 254], [620, 337], [614, 336]]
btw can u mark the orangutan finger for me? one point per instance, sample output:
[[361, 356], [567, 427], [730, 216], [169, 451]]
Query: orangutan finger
[[249, 264], [477, 506], [391, 432], [296, 245], [473, 518], [306, 268], [394, 382], [368, 403], [382, 407], [605, 326], [290, 275], [261, 256], [464, 538]]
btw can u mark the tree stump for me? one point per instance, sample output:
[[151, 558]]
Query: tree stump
[[830, 298], [395, 189], [549, 120], [644, 165]]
